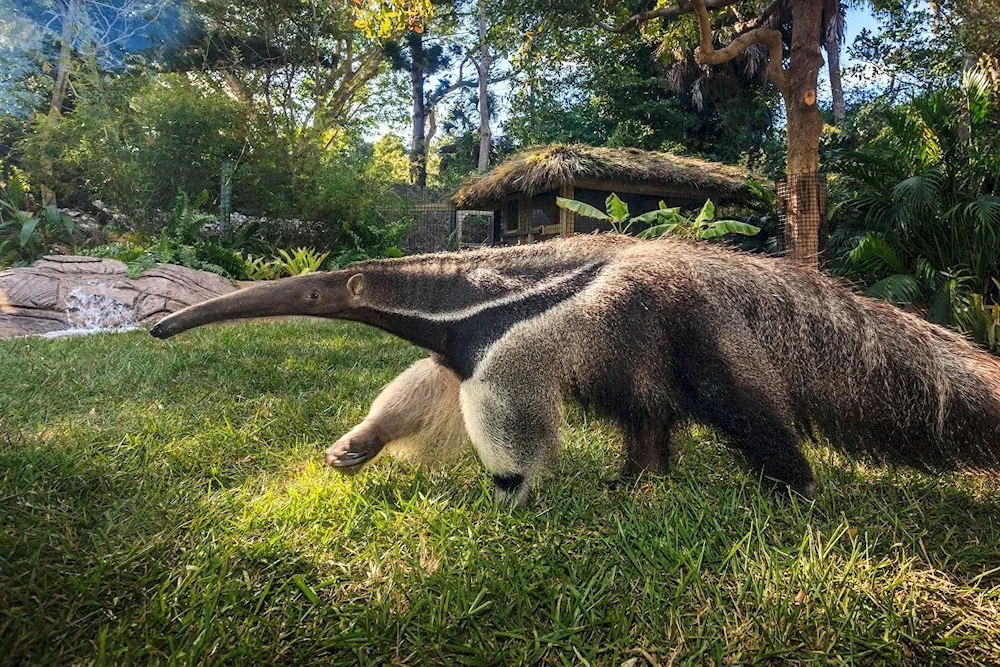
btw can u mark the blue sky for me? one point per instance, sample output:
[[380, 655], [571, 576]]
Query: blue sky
[[859, 18]]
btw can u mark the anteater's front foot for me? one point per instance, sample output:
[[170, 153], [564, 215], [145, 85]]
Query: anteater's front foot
[[351, 452], [784, 492], [511, 490], [622, 481]]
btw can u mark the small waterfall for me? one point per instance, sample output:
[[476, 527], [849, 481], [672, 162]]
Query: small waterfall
[[90, 310]]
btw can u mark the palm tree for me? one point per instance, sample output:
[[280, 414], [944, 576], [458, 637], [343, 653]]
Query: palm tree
[[921, 226]]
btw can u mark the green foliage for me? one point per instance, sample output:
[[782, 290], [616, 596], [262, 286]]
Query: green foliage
[[181, 242], [639, 89], [134, 141], [27, 236], [285, 263], [260, 268], [390, 163], [669, 221], [661, 221], [982, 322], [299, 261], [365, 240], [123, 251], [918, 221]]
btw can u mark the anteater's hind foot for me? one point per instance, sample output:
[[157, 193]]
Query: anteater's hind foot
[[417, 416], [782, 468]]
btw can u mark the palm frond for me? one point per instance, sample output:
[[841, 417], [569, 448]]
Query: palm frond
[[875, 253], [900, 289]]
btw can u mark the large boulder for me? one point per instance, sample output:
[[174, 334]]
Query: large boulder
[[70, 292]]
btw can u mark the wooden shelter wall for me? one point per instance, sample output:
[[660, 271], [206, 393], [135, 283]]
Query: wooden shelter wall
[[538, 218]]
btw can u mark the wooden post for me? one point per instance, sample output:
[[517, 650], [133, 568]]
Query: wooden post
[[524, 219], [566, 218], [453, 239], [226, 194], [496, 233]]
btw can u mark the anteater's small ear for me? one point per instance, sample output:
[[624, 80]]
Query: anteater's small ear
[[356, 284]]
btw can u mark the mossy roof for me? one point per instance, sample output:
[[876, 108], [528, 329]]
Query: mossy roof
[[544, 168]]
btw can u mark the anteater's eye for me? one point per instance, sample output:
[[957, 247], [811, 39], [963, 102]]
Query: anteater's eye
[[314, 295]]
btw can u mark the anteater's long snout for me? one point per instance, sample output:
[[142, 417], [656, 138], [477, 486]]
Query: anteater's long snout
[[165, 329], [301, 295]]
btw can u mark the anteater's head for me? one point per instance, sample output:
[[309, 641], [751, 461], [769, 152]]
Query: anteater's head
[[326, 294]]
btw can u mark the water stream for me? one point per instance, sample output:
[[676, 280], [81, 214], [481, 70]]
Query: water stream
[[89, 312]]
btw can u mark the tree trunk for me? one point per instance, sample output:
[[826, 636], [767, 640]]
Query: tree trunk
[[418, 146], [832, 39], [836, 87], [805, 125], [964, 117], [485, 133], [70, 17], [432, 127], [59, 88]]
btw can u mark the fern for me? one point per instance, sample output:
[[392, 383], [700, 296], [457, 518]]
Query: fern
[[140, 265]]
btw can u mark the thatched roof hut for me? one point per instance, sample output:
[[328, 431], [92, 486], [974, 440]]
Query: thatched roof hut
[[522, 190]]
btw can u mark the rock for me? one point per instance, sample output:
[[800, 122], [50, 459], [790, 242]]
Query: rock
[[89, 230], [72, 292]]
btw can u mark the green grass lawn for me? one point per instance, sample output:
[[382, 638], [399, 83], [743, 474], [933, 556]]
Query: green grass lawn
[[167, 502]]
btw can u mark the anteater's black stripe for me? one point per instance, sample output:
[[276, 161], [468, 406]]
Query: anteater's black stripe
[[463, 342]]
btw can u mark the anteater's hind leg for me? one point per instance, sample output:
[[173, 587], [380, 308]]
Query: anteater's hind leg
[[746, 402], [646, 445], [770, 447]]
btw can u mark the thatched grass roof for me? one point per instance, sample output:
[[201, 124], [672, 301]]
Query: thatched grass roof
[[544, 168]]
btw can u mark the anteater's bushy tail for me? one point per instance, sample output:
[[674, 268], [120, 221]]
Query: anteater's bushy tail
[[880, 381]]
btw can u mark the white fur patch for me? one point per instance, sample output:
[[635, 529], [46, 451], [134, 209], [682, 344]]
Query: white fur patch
[[491, 278], [471, 311], [478, 401]]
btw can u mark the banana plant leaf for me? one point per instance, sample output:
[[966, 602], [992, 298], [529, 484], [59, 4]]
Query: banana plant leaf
[[585, 210]]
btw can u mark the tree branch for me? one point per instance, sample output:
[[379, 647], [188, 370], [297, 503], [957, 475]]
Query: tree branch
[[436, 97], [706, 54], [672, 12]]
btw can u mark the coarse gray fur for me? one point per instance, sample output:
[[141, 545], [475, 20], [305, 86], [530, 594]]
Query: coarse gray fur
[[653, 332]]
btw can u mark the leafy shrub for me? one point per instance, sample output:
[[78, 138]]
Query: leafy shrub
[[299, 261], [260, 268], [123, 251], [366, 240], [981, 321], [663, 221], [134, 141], [27, 236], [181, 242], [919, 219], [704, 226]]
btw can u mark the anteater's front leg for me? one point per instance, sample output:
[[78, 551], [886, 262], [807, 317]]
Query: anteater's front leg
[[514, 426], [646, 441], [417, 415]]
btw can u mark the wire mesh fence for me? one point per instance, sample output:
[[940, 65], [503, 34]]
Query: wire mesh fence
[[801, 204], [435, 224]]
